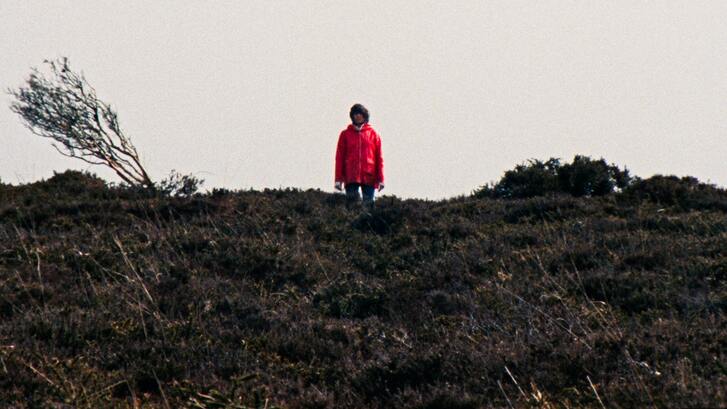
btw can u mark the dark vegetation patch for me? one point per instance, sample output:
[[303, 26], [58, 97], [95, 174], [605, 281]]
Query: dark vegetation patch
[[581, 177], [115, 297]]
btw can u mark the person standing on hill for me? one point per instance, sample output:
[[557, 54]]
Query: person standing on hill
[[359, 163]]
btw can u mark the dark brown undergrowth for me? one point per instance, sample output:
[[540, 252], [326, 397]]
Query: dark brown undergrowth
[[288, 298]]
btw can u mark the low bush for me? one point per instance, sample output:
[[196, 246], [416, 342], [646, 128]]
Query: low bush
[[582, 177], [687, 192]]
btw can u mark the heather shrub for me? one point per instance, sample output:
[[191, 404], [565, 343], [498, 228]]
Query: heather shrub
[[587, 177], [534, 178], [351, 300], [582, 177], [686, 193], [179, 185], [116, 297], [380, 220]]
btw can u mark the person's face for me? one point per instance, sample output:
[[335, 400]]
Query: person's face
[[358, 119]]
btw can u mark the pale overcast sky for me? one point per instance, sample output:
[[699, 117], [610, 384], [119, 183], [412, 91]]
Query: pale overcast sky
[[254, 93]]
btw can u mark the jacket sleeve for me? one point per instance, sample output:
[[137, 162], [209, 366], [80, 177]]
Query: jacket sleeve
[[341, 159], [379, 162]]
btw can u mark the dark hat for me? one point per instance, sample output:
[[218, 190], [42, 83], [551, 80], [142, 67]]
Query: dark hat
[[359, 109]]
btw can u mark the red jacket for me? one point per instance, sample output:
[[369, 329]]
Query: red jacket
[[358, 156]]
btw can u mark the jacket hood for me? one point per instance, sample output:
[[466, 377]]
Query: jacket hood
[[359, 109], [352, 127]]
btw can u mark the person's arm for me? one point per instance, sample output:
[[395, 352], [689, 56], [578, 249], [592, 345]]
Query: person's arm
[[340, 172], [379, 164]]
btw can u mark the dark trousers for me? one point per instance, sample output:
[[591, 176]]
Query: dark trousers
[[353, 194]]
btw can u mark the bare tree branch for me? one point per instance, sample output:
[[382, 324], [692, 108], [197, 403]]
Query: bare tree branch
[[64, 107]]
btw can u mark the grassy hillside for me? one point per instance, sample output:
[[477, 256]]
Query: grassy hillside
[[110, 297]]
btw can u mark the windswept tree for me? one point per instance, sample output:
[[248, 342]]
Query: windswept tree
[[63, 106]]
